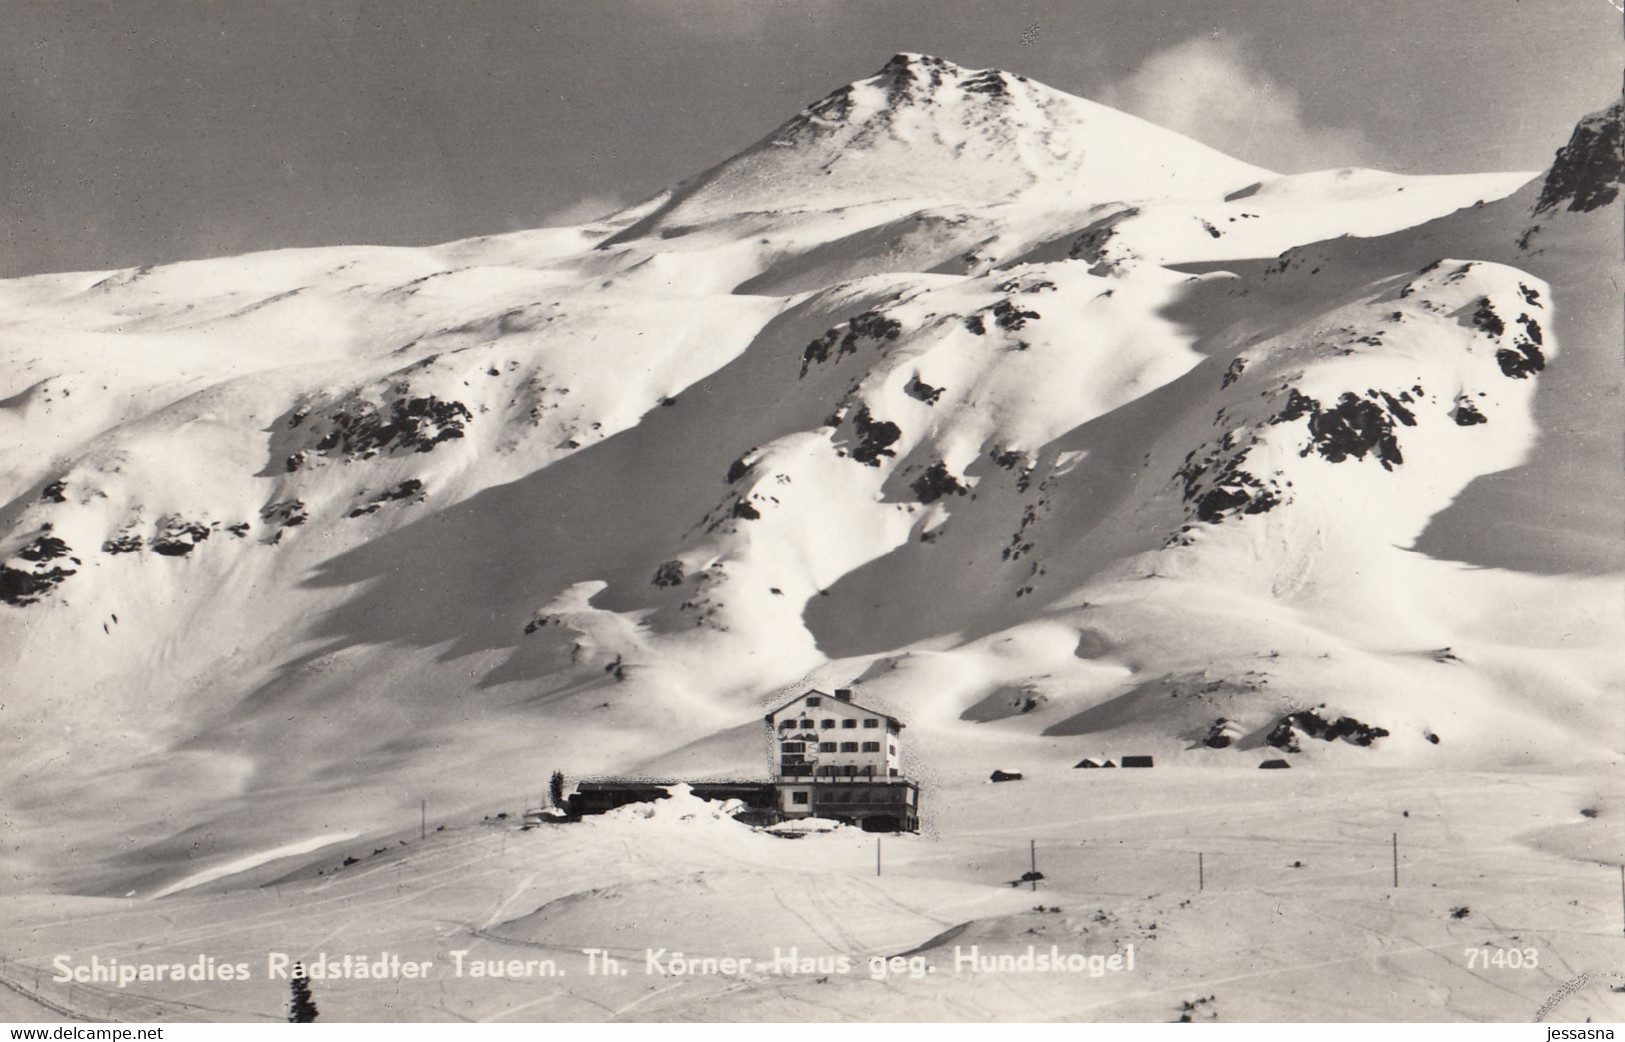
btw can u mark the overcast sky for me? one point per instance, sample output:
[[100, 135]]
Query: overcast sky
[[138, 132]]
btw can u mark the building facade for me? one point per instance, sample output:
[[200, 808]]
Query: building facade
[[818, 735], [833, 758], [830, 758]]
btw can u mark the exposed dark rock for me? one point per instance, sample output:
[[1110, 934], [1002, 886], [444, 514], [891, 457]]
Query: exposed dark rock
[[1220, 735], [1218, 486], [1217, 502], [1090, 245], [1466, 414], [1520, 364], [405, 490], [975, 324], [871, 325], [54, 492], [177, 537], [1233, 371], [670, 574], [819, 118], [1283, 737], [21, 586], [917, 388], [911, 79], [1297, 407], [1486, 319], [1284, 260], [1528, 358], [874, 438], [1008, 459], [1587, 172], [742, 509], [1025, 285], [935, 483], [1003, 704], [123, 543], [1396, 410], [362, 431], [288, 513], [1355, 427], [989, 81], [1309, 722], [45, 548], [739, 468], [1531, 329], [1007, 315], [1019, 544], [1460, 273]]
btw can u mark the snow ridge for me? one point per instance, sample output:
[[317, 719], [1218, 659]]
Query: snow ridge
[[1023, 415]]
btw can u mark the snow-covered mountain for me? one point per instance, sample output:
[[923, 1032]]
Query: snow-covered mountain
[[1046, 428]]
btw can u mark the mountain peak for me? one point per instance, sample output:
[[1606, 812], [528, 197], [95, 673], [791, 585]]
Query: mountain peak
[[1587, 172], [915, 77], [909, 80], [926, 129]]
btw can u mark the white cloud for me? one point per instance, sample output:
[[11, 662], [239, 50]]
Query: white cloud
[[1206, 88], [587, 208]]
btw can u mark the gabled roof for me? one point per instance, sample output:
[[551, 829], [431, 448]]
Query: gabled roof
[[814, 692]]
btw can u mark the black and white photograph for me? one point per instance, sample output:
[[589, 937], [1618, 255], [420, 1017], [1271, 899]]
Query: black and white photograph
[[812, 511]]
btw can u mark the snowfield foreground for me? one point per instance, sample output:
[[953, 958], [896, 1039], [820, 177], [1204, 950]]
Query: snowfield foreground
[[1052, 433], [1296, 918]]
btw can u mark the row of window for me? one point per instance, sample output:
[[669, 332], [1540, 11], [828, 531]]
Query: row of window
[[854, 796], [807, 725], [831, 747], [796, 767]]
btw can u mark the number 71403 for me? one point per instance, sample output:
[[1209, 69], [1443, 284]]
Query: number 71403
[[1502, 958]]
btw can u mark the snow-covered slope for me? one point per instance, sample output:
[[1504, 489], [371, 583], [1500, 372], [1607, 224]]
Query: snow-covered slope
[[1049, 429], [923, 128]]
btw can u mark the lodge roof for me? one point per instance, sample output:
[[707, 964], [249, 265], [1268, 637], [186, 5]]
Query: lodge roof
[[840, 695]]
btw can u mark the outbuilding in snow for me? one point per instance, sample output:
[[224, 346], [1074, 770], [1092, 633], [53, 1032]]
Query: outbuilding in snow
[[1137, 761], [1274, 765]]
